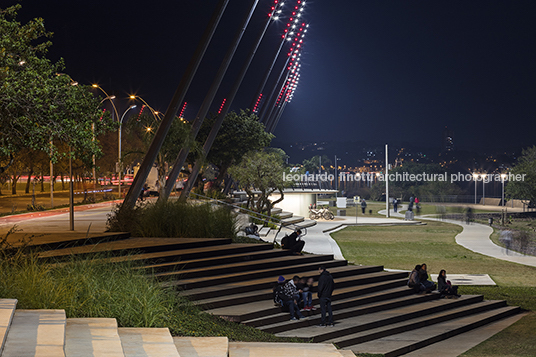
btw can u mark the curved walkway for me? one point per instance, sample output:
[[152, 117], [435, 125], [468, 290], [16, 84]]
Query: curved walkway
[[476, 237]]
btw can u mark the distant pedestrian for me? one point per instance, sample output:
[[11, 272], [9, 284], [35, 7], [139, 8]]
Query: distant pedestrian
[[363, 205], [506, 239], [395, 205], [325, 290]]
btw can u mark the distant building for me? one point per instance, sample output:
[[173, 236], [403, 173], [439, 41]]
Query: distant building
[[448, 141]]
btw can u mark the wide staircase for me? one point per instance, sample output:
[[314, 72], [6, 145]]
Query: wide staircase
[[374, 311]]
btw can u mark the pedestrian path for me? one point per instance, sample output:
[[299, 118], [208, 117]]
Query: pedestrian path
[[476, 237]]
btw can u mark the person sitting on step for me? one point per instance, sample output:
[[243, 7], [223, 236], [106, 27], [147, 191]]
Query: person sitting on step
[[445, 288], [429, 286], [290, 296], [293, 242]]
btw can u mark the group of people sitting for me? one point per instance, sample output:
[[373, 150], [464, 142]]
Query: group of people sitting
[[297, 294], [418, 281]]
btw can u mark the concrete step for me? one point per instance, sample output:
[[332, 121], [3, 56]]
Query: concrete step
[[219, 260], [147, 342], [7, 310], [346, 353], [263, 349], [276, 211], [211, 291], [202, 346], [266, 294], [136, 245], [346, 309], [244, 276], [292, 220], [245, 266], [405, 342], [92, 337], [196, 253], [58, 240], [360, 325], [414, 321], [36, 333], [285, 214], [306, 224], [264, 231]]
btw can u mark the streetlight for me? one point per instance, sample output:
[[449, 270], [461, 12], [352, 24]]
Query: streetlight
[[336, 178], [503, 176], [119, 168], [475, 177], [155, 113], [484, 176]]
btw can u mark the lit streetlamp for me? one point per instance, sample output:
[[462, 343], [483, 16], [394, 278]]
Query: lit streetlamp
[[484, 176], [475, 177], [503, 176], [119, 166]]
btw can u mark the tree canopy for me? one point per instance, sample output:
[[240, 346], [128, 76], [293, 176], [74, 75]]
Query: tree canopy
[[524, 189], [40, 106], [260, 172]]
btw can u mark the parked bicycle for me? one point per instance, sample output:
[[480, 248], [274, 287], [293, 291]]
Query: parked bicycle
[[322, 212]]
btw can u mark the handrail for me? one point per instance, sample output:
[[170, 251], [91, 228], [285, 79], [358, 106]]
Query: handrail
[[281, 226]]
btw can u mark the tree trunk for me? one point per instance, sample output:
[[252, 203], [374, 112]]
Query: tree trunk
[[62, 182], [42, 182], [27, 190], [14, 185]]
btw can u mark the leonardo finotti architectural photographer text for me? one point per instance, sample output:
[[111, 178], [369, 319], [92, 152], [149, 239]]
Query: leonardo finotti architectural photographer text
[[405, 177]]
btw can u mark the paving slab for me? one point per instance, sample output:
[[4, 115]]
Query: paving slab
[[202, 346], [259, 349], [36, 333], [460, 279], [346, 353], [7, 310], [147, 342], [92, 337]]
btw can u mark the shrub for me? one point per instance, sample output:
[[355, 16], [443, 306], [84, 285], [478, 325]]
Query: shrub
[[174, 219]]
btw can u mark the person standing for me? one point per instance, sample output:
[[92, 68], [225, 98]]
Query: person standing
[[395, 205], [363, 205], [325, 290]]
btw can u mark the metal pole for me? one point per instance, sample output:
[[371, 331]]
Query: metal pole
[[475, 178], [173, 108], [71, 192], [387, 180], [336, 179], [119, 161], [207, 102], [221, 117], [51, 178], [483, 190], [94, 168]]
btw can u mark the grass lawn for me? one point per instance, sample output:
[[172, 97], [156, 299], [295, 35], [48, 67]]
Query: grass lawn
[[401, 247]]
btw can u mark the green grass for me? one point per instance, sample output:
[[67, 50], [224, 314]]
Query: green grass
[[96, 287], [402, 247]]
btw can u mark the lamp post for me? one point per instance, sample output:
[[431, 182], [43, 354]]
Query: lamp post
[[119, 166], [475, 177], [503, 176], [484, 176]]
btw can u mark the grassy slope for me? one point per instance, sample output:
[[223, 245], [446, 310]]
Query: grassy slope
[[401, 247]]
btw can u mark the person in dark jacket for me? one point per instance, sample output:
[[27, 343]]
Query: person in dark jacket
[[325, 290], [294, 243], [445, 288], [429, 286]]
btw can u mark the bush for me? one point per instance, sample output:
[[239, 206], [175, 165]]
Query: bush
[[174, 219]]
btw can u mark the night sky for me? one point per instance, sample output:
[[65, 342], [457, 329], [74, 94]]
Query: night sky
[[374, 70]]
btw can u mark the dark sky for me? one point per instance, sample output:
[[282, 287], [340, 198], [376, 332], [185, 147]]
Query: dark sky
[[375, 70]]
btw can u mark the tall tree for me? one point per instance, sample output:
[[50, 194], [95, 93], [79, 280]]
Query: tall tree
[[240, 133], [40, 106], [524, 189], [260, 174]]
